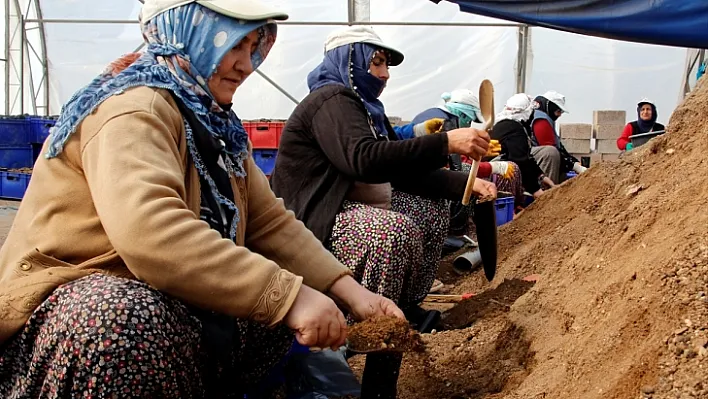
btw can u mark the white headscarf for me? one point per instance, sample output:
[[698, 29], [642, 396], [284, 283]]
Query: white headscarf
[[517, 108]]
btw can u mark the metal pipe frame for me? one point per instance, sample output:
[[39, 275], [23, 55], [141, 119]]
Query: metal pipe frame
[[299, 23], [522, 58], [352, 19], [7, 57], [20, 58]]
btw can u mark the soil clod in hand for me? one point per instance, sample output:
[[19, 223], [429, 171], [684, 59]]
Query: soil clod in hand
[[486, 198], [384, 334]]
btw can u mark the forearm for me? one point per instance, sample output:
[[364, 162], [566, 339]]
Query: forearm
[[275, 233]]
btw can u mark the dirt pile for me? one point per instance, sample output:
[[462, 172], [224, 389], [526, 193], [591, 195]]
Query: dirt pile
[[620, 310]]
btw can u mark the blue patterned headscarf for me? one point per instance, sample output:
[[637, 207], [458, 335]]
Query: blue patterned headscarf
[[184, 47], [349, 66]]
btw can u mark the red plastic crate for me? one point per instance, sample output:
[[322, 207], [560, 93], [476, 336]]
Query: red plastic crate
[[264, 135]]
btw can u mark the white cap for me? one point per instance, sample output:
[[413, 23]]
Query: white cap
[[519, 101], [556, 98], [645, 101], [249, 10], [463, 96], [361, 34]]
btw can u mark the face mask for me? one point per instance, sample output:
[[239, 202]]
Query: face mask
[[464, 120]]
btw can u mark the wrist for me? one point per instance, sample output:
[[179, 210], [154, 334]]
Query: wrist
[[344, 290]]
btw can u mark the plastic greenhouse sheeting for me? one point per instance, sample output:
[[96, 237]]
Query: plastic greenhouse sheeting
[[593, 73], [681, 23]]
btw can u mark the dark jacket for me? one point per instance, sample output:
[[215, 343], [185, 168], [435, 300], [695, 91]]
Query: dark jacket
[[516, 147], [327, 144]]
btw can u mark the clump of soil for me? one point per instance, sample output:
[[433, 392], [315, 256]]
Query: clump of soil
[[486, 198], [385, 333]]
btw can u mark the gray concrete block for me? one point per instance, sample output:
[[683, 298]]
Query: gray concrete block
[[608, 132], [576, 146], [607, 147], [575, 131], [609, 117]]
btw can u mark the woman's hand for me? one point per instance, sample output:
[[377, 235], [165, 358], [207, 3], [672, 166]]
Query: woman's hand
[[548, 182], [430, 126], [362, 303], [316, 320], [538, 193], [483, 188], [494, 148], [471, 142], [578, 168]]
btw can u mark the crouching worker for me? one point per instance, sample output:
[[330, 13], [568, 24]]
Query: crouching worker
[[149, 257], [374, 200]]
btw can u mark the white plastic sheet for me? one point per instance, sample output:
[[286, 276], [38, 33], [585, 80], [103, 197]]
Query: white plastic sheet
[[593, 73]]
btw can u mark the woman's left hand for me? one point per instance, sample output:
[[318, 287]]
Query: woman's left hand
[[484, 188], [360, 302]]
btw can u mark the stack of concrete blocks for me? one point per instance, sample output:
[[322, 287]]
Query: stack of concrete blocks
[[607, 127], [577, 140]]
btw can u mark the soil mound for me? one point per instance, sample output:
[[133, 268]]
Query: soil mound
[[620, 310]]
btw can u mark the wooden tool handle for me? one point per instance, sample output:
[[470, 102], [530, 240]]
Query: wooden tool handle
[[447, 298], [470, 183]]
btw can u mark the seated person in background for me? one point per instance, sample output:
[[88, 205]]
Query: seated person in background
[[374, 200], [512, 130], [461, 108], [645, 123], [549, 152]]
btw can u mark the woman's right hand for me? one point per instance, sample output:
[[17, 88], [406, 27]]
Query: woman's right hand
[[548, 182], [471, 142], [316, 320], [538, 193]]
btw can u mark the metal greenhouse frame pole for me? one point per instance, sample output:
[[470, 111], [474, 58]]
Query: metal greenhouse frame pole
[[358, 13], [21, 55]]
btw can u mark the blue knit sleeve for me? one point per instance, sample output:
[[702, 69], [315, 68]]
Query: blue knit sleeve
[[404, 132]]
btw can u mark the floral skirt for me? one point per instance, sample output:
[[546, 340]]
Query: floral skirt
[[109, 337], [395, 252]]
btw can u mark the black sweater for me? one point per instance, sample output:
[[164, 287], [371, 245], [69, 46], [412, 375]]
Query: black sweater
[[327, 145], [516, 147]]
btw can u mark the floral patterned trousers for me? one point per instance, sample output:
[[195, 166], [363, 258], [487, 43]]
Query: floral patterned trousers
[[395, 252], [109, 337]]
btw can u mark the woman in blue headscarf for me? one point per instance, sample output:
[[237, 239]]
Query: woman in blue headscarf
[[149, 257], [372, 199], [375, 201]]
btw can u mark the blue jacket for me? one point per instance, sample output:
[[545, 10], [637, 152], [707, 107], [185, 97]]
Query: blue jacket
[[406, 132]]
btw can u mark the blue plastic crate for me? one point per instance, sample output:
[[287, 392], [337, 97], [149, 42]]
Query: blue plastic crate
[[505, 210], [15, 157], [39, 128], [265, 159], [13, 185], [14, 131]]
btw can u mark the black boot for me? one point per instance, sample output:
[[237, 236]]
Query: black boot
[[423, 321], [380, 379]]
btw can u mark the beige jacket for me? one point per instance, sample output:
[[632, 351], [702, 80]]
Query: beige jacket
[[123, 199]]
